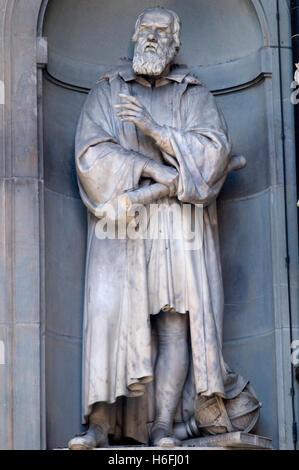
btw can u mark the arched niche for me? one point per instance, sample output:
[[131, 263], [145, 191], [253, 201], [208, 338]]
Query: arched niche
[[87, 36], [225, 44], [241, 81]]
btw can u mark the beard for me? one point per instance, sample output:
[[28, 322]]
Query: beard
[[152, 63]]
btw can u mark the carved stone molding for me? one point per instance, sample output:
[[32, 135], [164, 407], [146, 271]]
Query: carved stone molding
[[20, 235]]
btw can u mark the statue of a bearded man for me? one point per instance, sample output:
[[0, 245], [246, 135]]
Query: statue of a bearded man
[[152, 340]]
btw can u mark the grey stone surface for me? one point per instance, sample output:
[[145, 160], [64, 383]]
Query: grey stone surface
[[65, 261], [254, 356], [26, 249], [19, 232], [19, 157], [3, 248], [26, 386], [5, 417], [250, 220], [250, 138], [63, 365], [62, 110]]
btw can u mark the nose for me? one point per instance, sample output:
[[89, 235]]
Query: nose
[[152, 36]]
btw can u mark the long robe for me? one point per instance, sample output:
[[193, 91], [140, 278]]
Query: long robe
[[129, 280]]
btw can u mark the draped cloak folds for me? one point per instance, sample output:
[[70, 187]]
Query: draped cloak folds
[[128, 280]]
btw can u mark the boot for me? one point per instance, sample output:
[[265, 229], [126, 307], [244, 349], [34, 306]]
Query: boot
[[94, 437]]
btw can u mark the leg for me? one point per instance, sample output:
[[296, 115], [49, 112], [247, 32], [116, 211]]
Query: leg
[[170, 372], [97, 434]]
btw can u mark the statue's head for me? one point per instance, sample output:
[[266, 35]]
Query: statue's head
[[157, 41]]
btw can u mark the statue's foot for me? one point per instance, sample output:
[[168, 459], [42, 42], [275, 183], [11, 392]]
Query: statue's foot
[[94, 437], [161, 437]]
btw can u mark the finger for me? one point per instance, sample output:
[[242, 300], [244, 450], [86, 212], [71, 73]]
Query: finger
[[130, 98], [133, 107], [129, 119], [127, 113]]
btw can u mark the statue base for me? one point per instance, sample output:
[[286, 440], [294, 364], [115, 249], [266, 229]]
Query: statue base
[[228, 441]]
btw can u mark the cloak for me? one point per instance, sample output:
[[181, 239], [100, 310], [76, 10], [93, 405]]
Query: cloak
[[128, 280]]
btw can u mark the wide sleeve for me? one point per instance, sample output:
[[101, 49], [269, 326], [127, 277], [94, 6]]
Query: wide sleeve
[[199, 147], [105, 169]]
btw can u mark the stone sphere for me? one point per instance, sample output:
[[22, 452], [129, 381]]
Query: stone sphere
[[216, 415]]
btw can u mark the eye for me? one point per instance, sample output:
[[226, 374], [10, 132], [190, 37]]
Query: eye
[[145, 28], [163, 31]]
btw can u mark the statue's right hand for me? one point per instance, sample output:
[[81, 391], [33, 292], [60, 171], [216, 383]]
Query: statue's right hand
[[163, 174]]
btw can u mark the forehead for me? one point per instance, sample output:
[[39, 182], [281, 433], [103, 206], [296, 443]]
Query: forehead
[[157, 17]]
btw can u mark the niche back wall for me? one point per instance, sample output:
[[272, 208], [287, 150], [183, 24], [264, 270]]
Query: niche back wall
[[226, 45]]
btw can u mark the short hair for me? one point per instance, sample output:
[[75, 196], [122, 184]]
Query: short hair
[[176, 25]]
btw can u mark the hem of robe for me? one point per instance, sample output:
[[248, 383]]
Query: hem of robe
[[136, 387], [135, 435], [134, 390], [169, 308]]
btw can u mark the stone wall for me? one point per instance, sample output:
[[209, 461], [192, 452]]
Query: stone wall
[[233, 48]]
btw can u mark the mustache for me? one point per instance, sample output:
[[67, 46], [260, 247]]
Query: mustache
[[150, 46], [146, 45], [145, 49]]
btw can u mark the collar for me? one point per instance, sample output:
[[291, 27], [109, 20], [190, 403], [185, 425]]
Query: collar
[[175, 75]]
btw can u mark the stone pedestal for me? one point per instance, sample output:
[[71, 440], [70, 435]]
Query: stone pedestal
[[228, 441]]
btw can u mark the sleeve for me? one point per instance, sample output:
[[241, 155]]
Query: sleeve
[[200, 149], [105, 169]]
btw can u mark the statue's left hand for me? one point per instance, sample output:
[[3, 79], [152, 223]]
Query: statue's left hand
[[133, 111]]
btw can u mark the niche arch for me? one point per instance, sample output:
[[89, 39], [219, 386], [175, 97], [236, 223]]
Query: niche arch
[[52, 374], [227, 47]]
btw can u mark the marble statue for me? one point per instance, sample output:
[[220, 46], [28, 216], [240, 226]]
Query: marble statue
[[152, 339]]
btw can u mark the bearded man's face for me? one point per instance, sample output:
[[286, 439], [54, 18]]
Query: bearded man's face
[[155, 47]]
